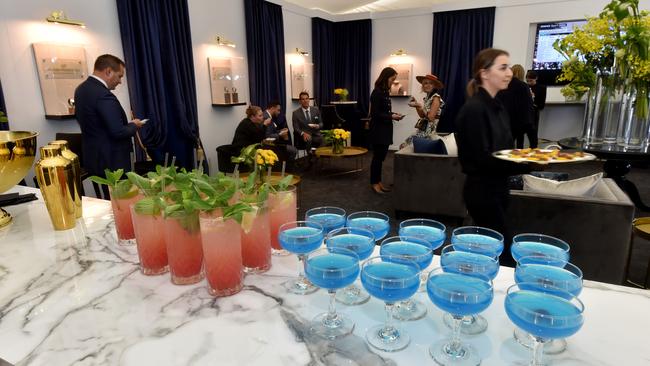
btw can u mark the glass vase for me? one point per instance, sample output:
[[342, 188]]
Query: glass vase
[[607, 108], [587, 122], [337, 147], [634, 121]]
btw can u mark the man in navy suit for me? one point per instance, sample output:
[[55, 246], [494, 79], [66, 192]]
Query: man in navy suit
[[106, 132], [277, 128]]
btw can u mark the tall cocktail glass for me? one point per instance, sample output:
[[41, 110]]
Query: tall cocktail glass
[[545, 315], [301, 238], [461, 296], [283, 208], [332, 268], [360, 241], [184, 248], [149, 238], [390, 281], [121, 204], [221, 239], [256, 239]]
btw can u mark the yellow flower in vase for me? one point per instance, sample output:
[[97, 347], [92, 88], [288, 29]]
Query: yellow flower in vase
[[265, 159], [342, 93]]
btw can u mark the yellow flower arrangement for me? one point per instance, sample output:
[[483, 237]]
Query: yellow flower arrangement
[[265, 158], [336, 138], [342, 93]]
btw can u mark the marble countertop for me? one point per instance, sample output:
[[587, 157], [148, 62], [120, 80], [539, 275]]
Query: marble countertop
[[77, 298]]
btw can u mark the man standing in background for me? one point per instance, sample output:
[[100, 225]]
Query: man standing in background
[[539, 101], [105, 130]]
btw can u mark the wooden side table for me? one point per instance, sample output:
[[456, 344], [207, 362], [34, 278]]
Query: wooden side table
[[353, 152]]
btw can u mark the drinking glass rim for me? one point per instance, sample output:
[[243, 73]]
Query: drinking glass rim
[[409, 221], [334, 232], [289, 188], [311, 210], [379, 259], [568, 247], [474, 277], [572, 299], [312, 224], [445, 250], [316, 252], [573, 268], [407, 239], [365, 214], [499, 236]]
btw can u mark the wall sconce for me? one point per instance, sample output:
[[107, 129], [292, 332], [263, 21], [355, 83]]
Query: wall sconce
[[302, 52], [399, 52], [60, 18], [221, 41]]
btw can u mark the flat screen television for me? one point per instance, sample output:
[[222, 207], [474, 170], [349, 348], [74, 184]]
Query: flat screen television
[[547, 62]]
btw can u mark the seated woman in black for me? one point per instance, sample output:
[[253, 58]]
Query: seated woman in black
[[483, 127], [252, 129]]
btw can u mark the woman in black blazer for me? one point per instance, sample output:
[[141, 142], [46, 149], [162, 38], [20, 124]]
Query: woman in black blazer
[[381, 126]]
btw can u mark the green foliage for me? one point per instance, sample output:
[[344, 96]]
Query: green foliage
[[120, 188]]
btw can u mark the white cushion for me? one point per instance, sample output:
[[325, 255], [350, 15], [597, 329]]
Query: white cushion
[[583, 187], [603, 191], [450, 144]]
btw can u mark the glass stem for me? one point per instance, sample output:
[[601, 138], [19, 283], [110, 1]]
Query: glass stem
[[454, 345], [389, 316], [538, 351], [331, 311], [301, 268]]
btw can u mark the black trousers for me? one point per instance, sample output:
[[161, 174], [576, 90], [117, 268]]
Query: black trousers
[[486, 199], [379, 152], [532, 132]]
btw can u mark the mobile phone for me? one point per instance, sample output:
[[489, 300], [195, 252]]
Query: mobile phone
[[143, 121]]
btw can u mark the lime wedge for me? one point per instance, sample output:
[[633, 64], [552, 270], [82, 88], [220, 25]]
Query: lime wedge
[[247, 220]]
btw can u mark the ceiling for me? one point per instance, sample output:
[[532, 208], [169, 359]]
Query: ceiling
[[360, 6]]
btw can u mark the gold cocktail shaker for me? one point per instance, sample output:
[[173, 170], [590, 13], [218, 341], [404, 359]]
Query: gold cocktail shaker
[[56, 180], [76, 171]]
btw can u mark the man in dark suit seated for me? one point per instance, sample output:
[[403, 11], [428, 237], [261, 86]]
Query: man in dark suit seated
[[277, 128], [106, 132], [307, 123]]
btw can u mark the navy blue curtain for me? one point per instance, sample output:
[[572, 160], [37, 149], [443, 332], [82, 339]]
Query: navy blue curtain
[[160, 69], [342, 52], [265, 49], [3, 109], [457, 37]]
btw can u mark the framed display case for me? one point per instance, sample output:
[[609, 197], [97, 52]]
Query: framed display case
[[402, 85], [61, 68], [226, 79], [302, 79]]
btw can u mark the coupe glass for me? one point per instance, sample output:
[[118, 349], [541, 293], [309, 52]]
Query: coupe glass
[[478, 239], [432, 231], [329, 218], [411, 249], [545, 315], [468, 263], [332, 268], [390, 281], [377, 222], [360, 241], [460, 295], [525, 245], [539, 276], [301, 238]]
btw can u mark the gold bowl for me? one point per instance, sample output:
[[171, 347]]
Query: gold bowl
[[17, 152]]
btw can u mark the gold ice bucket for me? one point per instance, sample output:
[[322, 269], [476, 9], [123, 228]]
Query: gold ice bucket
[[17, 152]]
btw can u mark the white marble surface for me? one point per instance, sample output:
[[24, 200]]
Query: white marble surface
[[77, 298]]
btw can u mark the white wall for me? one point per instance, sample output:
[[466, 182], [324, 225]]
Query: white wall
[[22, 24], [297, 34]]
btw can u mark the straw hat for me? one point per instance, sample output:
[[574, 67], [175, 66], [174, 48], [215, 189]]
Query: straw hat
[[436, 83]]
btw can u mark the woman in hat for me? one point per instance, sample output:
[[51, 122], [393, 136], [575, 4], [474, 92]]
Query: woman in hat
[[430, 110]]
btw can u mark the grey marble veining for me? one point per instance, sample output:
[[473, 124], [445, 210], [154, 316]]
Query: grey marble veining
[[78, 298]]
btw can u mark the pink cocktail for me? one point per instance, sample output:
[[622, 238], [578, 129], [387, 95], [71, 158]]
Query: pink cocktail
[[184, 250], [256, 240], [222, 254], [150, 241], [122, 214], [283, 209]]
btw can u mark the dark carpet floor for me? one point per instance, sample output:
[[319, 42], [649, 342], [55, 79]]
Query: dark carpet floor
[[352, 192]]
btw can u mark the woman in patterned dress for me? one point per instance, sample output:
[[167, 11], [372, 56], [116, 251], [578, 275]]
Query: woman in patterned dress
[[429, 111]]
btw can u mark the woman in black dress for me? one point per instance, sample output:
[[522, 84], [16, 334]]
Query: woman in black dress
[[483, 127], [381, 126]]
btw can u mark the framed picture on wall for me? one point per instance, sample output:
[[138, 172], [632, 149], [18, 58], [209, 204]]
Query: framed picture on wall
[[61, 68], [302, 79], [226, 80], [402, 85]]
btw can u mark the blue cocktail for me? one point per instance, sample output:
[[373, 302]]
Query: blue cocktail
[[332, 268], [410, 249], [545, 316], [539, 245], [360, 241], [329, 217], [377, 222], [478, 240], [389, 281], [432, 231], [301, 238], [461, 296], [534, 275]]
